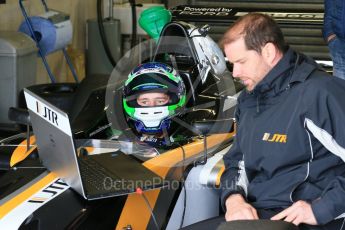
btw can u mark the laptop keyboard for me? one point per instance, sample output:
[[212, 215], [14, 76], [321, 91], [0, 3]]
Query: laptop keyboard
[[101, 180]]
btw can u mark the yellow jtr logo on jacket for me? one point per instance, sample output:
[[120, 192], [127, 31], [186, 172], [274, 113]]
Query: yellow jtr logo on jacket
[[282, 138]]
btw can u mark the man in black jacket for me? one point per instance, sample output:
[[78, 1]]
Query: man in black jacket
[[287, 160]]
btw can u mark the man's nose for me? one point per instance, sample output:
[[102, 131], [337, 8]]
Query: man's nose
[[236, 71], [152, 103]]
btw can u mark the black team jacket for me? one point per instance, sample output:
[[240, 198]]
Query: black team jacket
[[290, 141]]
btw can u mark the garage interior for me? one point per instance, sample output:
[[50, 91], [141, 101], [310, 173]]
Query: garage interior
[[76, 75]]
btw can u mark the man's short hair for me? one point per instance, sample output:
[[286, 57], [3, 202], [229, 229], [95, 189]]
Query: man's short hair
[[257, 29]]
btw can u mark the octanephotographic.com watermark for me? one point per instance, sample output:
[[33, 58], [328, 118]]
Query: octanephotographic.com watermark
[[131, 185]]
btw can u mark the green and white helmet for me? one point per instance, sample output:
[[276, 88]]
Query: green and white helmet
[[153, 77]]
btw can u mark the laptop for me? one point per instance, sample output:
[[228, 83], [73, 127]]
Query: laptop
[[93, 176]]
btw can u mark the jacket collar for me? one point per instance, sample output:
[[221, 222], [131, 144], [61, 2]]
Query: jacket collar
[[292, 68]]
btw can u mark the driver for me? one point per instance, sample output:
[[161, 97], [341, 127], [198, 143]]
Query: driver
[[153, 94]]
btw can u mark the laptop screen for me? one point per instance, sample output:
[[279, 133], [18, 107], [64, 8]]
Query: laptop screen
[[56, 149], [54, 139]]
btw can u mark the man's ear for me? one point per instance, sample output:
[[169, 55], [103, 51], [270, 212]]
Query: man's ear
[[270, 54]]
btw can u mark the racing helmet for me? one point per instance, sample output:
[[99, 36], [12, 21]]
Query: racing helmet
[[153, 77]]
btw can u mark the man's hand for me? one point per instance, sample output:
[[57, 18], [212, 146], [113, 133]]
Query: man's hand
[[330, 37], [298, 213], [238, 209]]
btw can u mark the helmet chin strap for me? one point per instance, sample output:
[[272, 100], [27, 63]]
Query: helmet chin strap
[[166, 136]]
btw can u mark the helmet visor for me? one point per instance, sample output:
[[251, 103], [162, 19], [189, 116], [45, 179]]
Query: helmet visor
[[152, 83]]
